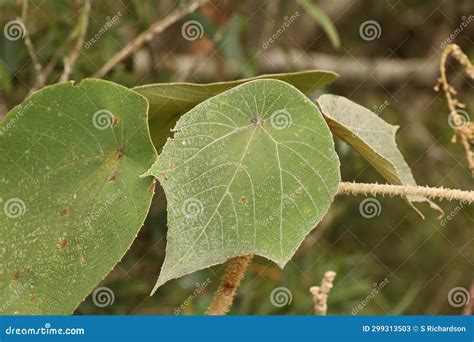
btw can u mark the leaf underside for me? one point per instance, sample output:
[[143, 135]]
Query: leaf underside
[[251, 170], [373, 138], [71, 196], [168, 101]]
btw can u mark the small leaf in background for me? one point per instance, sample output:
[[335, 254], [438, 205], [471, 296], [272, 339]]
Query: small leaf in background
[[170, 100], [373, 138], [322, 19], [71, 196], [251, 170], [232, 49]]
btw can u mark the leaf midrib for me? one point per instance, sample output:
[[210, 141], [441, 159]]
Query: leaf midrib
[[239, 166]]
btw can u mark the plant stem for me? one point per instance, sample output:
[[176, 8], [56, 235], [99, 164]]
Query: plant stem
[[230, 282], [157, 27], [349, 188], [82, 25], [466, 129], [321, 293], [29, 45]]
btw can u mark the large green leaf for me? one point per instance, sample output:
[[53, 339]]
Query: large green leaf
[[71, 196], [251, 170], [170, 100], [373, 138]]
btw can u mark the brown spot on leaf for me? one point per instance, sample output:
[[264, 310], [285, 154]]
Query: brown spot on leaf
[[163, 175], [120, 153], [298, 192], [63, 212], [113, 121], [243, 199], [113, 159], [112, 178], [257, 122], [16, 276], [33, 298], [62, 243]]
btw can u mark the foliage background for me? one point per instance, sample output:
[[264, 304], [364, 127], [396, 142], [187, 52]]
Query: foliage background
[[422, 259]]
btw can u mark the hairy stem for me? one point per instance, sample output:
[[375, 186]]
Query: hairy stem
[[374, 189], [321, 293], [463, 128], [225, 294]]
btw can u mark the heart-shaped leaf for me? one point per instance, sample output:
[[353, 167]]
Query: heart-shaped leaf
[[251, 170], [168, 101], [373, 138], [71, 196]]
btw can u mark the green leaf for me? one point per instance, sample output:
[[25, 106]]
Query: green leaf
[[320, 17], [232, 49], [71, 196], [168, 101], [251, 170], [373, 138]]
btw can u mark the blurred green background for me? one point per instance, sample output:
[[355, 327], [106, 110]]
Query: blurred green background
[[392, 73]]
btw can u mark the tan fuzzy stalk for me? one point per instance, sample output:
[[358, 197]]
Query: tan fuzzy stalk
[[225, 294], [321, 293], [348, 188], [465, 128]]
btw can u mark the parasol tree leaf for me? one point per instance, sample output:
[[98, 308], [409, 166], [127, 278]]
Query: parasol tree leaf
[[373, 138], [249, 171], [168, 101], [71, 196]]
